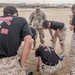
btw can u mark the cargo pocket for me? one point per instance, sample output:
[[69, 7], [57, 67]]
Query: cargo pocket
[[19, 64]]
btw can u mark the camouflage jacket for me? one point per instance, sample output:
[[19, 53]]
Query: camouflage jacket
[[37, 19]]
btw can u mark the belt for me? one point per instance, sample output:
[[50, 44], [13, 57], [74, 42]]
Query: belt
[[51, 64], [1, 57], [7, 55]]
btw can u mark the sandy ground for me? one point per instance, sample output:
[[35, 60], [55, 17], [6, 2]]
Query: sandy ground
[[61, 15]]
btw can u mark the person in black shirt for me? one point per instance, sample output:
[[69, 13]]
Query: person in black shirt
[[50, 60], [13, 30], [60, 31], [34, 37], [72, 44]]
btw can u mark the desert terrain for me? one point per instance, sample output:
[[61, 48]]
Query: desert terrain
[[62, 15]]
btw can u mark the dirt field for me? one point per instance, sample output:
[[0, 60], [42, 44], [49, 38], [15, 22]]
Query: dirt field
[[61, 15]]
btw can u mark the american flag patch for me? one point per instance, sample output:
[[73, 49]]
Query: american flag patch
[[4, 31]]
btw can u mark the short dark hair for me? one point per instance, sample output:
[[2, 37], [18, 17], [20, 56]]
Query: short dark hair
[[10, 10], [45, 23], [73, 7]]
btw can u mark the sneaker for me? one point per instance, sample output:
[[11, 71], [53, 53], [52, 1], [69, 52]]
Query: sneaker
[[61, 57]]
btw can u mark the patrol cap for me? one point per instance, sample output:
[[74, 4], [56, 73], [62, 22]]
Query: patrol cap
[[37, 7]]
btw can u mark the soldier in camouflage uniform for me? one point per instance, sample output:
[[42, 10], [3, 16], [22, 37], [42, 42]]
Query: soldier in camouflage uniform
[[72, 45], [37, 17], [12, 30]]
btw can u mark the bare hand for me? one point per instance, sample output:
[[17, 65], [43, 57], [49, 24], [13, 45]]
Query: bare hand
[[71, 27], [70, 22], [52, 40], [61, 42]]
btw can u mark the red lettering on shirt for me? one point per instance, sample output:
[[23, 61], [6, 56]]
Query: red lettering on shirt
[[4, 31], [46, 49], [6, 19]]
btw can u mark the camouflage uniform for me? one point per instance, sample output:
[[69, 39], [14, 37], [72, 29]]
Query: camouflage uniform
[[38, 19], [19, 52], [48, 70], [63, 35], [72, 54], [11, 66]]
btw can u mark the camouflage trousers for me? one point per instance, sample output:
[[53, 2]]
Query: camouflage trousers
[[41, 34], [63, 35], [48, 70], [11, 66], [72, 54], [19, 52]]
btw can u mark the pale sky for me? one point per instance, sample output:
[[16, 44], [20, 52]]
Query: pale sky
[[38, 1]]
